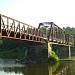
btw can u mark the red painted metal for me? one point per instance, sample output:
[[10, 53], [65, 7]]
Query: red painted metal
[[46, 32], [11, 28]]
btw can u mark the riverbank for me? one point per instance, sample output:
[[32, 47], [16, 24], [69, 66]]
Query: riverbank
[[67, 60]]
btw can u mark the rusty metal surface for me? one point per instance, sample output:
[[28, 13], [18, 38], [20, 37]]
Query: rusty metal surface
[[11, 28], [46, 31], [54, 33]]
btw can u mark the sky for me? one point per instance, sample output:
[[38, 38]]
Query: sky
[[33, 12]]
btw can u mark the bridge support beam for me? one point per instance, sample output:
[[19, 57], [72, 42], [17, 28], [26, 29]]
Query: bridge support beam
[[69, 51], [49, 48]]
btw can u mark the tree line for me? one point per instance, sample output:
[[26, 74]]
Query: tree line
[[70, 30]]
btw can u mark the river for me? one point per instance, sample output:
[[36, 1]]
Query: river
[[10, 67]]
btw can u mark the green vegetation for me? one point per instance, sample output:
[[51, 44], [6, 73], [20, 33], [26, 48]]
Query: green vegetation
[[12, 54], [12, 49], [55, 66], [53, 57], [70, 30]]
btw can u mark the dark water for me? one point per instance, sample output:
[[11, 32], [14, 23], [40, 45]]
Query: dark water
[[9, 67]]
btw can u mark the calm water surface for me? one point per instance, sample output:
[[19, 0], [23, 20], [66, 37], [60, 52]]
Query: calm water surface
[[10, 67]]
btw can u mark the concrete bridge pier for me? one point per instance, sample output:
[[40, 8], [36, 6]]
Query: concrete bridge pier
[[49, 48], [69, 51]]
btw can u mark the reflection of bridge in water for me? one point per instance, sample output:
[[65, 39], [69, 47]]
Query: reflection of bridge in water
[[36, 38], [63, 71]]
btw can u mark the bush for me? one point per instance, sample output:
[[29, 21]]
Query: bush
[[53, 57]]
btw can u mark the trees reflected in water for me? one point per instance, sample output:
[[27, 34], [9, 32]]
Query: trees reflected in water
[[42, 69]]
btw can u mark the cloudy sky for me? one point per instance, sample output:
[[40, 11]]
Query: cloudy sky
[[32, 12]]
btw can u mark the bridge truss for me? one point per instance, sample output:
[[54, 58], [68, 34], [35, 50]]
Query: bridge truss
[[54, 33], [46, 31], [11, 28]]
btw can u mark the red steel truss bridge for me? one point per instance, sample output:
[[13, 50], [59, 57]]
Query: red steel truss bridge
[[46, 31]]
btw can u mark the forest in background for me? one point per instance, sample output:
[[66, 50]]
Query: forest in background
[[70, 30]]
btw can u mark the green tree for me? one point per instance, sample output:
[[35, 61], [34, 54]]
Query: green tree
[[70, 30]]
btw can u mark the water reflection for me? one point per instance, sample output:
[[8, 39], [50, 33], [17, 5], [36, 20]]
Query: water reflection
[[12, 68], [9, 63], [37, 69]]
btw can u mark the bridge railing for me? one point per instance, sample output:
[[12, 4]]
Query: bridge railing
[[52, 32], [11, 28], [47, 31]]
